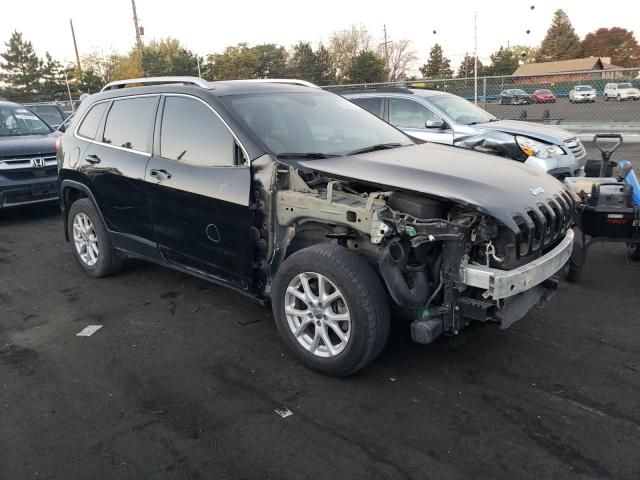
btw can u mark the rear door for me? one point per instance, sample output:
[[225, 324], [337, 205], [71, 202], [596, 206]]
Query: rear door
[[199, 184], [371, 104], [115, 163], [411, 117]]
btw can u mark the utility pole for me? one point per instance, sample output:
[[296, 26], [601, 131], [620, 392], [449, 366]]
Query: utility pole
[[75, 46], [386, 52], [475, 57], [135, 23]]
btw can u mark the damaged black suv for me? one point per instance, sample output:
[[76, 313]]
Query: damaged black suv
[[295, 196]]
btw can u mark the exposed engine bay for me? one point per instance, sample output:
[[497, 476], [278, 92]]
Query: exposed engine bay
[[420, 246]]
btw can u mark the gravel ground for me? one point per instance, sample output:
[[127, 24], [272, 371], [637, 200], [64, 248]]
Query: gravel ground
[[183, 379]]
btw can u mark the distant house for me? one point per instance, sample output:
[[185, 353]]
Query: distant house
[[575, 70]]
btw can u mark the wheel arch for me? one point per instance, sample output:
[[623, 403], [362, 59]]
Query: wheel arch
[[71, 191]]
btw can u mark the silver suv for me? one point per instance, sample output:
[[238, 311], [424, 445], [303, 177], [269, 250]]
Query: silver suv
[[441, 117]]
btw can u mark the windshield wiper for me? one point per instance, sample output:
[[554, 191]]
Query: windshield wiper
[[307, 155], [374, 148]]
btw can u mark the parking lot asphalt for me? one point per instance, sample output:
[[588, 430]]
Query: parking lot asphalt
[[183, 379], [600, 111]]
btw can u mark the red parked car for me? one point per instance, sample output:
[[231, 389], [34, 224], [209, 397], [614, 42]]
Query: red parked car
[[543, 96]]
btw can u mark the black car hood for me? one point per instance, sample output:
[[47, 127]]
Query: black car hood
[[496, 186], [28, 145], [545, 133]]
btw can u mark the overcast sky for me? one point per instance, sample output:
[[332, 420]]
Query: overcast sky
[[209, 26]]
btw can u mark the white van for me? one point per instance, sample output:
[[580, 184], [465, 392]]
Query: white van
[[620, 91]]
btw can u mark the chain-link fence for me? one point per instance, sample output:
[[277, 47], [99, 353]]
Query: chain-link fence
[[599, 97]]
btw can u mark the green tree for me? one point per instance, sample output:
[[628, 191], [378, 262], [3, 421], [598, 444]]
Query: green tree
[[168, 57], [524, 53], [467, 66], [438, 66], [234, 63], [617, 43], [367, 67], [303, 62], [325, 70], [503, 62], [271, 61], [561, 41], [22, 69], [52, 85]]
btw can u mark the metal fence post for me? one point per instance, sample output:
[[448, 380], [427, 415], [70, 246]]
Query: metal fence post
[[484, 92]]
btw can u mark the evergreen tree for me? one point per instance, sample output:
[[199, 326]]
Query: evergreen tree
[[438, 66], [22, 69], [503, 62], [325, 70], [367, 67], [561, 41], [53, 85], [466, 68], [303, 62]]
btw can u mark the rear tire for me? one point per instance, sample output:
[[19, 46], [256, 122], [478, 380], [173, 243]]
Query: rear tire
[[90, 240], [309, 325], [619, 98], [634, 252]]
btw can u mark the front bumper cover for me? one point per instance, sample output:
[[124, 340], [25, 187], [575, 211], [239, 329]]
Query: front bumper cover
[[500, 284]]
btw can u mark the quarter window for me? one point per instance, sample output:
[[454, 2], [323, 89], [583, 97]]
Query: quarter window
[[192, 133], [130, 123], [89, 126], [372, 104], [409, 114]]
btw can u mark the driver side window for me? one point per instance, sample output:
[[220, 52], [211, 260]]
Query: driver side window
[[405, 113]]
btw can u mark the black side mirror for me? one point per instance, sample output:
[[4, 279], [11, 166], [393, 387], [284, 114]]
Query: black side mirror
[[436, 123]]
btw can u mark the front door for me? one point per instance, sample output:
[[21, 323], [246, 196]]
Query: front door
[[199, 187], [411, 117]]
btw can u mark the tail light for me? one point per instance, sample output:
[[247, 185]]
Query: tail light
[[58, 143]]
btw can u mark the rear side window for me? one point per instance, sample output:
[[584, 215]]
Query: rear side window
[[372, 104], [191, 133], [91, 121], [130, 123]]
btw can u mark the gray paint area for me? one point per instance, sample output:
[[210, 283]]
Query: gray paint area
[[183, 379]]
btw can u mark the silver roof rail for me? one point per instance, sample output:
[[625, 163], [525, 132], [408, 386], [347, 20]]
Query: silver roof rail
[[290, 81], [157, 80]]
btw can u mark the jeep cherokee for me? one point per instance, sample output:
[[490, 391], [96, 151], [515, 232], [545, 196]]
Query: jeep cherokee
[[295, 196]]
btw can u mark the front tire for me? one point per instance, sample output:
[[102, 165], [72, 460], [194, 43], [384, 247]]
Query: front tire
[[572, 271], [330, 309], [606, 97], [90, 240]]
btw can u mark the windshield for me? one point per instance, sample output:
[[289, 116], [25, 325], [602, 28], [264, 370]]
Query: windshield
[[625, 85], [20, 121], [461, 110], [312, 122], [517, 91], [544, 92], [584, 88], [48, 113]]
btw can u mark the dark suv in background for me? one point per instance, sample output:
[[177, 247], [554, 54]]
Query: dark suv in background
[[295, 196], [28, 165]]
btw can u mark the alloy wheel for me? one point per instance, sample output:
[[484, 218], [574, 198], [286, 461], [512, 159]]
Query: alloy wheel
[[317, 314], [85, 239]]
